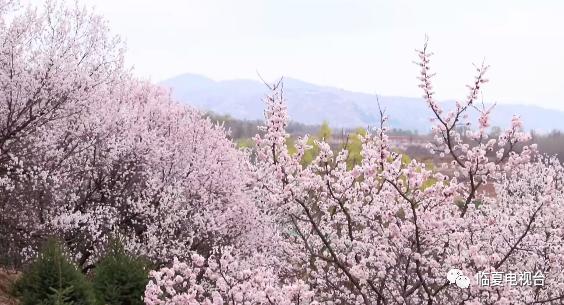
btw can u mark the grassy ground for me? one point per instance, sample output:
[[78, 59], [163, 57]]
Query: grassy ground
[[7, 278]]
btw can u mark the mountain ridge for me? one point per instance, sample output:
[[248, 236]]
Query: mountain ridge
[[312, 104]]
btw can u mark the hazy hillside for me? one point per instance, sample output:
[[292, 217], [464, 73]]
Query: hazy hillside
[[312, 104]]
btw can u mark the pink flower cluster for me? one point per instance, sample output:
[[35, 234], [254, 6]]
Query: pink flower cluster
[[223, 278]]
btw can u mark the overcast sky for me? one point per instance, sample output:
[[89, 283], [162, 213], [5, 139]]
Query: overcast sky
[[365, 46]]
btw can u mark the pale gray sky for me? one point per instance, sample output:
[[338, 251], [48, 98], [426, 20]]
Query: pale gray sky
[[365, 46]]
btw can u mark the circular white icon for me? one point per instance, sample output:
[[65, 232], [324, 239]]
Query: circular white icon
[[463, 282], [455, 276]]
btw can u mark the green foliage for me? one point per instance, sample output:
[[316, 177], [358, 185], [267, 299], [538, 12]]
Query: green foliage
[[120, 278], [62, 296], [245, 143], [325, 131], [53, 280], [291, 144], [324, 134], [429, 165], [311, 153], [354, 147], [428, 183], [477, 202], [405, 158]]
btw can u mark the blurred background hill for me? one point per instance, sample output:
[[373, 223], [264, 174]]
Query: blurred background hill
[[311, 104]]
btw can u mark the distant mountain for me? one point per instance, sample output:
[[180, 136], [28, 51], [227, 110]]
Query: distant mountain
[[312, 104]]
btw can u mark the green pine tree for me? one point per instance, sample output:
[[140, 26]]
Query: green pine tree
[[120, 278], [61, 296], [51, 269]]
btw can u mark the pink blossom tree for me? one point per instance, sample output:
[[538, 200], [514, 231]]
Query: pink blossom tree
[[385, 231], [379, 234], [88, 152], [54, 62], [159, 174]]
